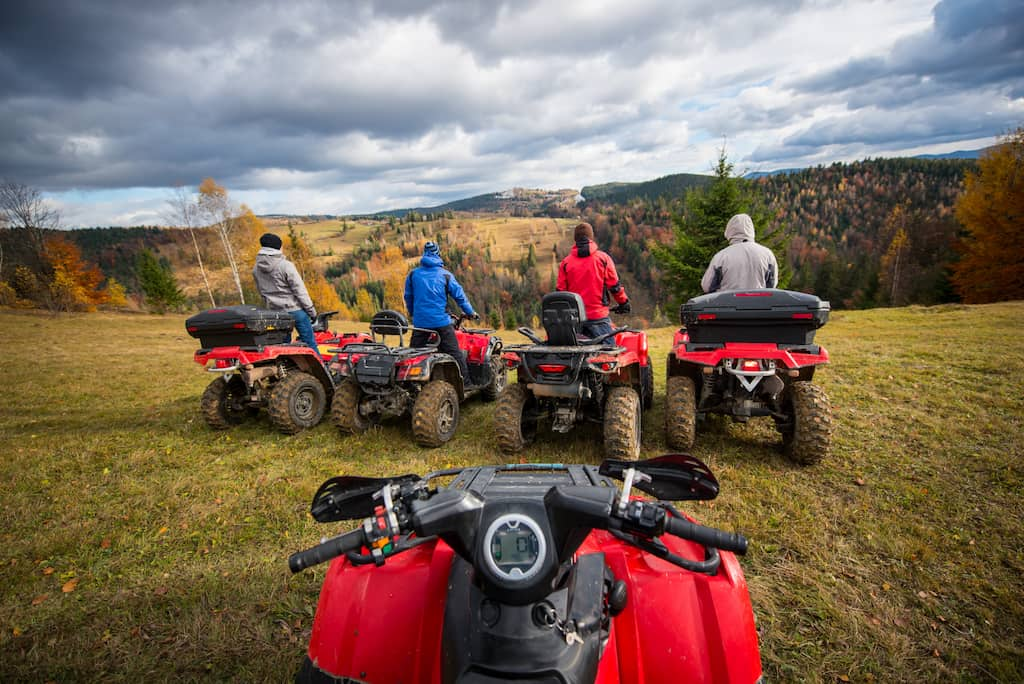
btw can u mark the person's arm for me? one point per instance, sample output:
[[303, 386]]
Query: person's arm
[[772, 278], [299, 289], [563, 282], [408, 294], [611, 281], [712, 279], [455, 290]]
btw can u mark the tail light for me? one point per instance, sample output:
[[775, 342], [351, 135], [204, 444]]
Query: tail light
[[705, 317], [239, 326], [751, 365], [603, 366], [552, 367], [192, 328], [803, 315], [225, 363]]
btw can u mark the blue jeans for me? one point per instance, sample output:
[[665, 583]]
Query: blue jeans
[[304, 328], [598, 327]]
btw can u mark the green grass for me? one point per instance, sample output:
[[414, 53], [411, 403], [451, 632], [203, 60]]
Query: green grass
[[897, 559]]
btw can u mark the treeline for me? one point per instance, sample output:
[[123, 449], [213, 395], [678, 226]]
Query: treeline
[[863, 234]]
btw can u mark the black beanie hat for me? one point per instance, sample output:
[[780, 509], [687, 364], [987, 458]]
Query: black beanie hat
[[270, 240]]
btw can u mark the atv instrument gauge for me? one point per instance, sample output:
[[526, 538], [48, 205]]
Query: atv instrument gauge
[[514, 547]]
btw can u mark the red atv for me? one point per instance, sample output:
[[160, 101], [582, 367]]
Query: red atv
[[570, 379], [529, 573], [249, 347], [381, 381], [751, 353]]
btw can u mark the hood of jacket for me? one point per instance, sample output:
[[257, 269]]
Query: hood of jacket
[[268, 258], [591, 248], [432, 260], [739, 229]]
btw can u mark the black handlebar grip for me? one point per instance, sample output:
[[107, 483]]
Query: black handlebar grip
[[332, 548], [706, 536]]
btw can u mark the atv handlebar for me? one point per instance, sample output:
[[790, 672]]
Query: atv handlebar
[[706, 536], [326, 550]]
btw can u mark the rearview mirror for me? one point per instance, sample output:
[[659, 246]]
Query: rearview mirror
[[674, 477], [350, 497]]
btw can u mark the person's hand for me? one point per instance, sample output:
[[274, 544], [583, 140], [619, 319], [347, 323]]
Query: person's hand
[[312, 315], [623, 308], [475, 316]]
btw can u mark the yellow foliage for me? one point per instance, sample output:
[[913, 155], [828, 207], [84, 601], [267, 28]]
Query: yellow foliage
[[75, 284], [117, 297], [365, 306]]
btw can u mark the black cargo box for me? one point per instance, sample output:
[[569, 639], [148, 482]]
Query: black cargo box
[[778, 316], [244, 326]]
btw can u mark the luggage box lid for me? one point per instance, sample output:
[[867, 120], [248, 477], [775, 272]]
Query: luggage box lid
[[252, 317], [754, 305]]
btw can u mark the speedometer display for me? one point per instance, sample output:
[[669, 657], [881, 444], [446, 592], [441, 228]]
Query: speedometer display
[[514, 547]]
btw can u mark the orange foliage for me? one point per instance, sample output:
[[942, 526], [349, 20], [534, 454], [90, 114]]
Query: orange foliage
[[74, 284], [992, 210]]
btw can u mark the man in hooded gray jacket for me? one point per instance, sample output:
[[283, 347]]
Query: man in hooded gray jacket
[[282, 289], [744, 264]]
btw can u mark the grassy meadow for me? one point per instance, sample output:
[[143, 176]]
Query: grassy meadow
[[137, 544]]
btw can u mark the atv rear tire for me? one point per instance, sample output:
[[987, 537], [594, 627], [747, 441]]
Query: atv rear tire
[[622, 423], [297, 402], [499, 378], [435, 414], [514, 425], [647, 386], [345, 413], [680, 412], [223, 402], [811, 437]]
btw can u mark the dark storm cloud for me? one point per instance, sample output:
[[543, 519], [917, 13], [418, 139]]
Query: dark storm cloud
[[973, 43]]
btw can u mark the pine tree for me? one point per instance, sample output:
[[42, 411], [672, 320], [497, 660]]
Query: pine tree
[[698, 231], [158, 283]]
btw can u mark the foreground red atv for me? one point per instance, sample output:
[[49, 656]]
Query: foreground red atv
[[570, 379], [529, 573], [249, 347], [381, 381], [751, 353]]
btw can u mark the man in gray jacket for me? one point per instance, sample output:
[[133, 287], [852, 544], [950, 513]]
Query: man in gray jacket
[[744, 264], [282, 289]]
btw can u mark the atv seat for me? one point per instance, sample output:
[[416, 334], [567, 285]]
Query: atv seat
[[562, 313], [389, 322]]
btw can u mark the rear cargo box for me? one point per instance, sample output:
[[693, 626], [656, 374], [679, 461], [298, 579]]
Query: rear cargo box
[[244, 326], [778, 316]]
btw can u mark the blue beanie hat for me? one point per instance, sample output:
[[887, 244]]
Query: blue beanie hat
[[431, 248]]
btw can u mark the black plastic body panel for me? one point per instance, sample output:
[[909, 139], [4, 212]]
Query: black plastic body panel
[[242, 325]]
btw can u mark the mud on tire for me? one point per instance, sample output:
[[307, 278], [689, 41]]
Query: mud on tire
[[622, 423], [499, 378], [223, 402], [810, 439], [514, 427], [435, 414], [296, 402], [345, 409], [647, 386], [680, 412]]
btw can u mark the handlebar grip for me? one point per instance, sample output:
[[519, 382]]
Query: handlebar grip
[[332, 548], [707, 536]]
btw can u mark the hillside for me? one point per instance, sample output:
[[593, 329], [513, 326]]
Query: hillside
[[514, 202], [897, 559], [675, 185]]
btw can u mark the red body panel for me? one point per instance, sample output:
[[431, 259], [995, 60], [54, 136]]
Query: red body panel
[[745, 350], [272, 351], [474, 344], [384, 624]]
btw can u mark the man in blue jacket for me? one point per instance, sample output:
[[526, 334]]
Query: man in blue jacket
[[426, 299]]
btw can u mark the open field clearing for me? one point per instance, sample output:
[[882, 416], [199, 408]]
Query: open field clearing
[[138, 545]]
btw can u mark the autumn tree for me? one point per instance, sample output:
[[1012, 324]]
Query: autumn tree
[[991, 210], [158, 283], [74, 284], [217, 208], [698, 230], [24, 211], [325, 297], [184, 211]]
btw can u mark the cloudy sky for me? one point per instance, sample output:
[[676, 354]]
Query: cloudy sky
[[348, 106]]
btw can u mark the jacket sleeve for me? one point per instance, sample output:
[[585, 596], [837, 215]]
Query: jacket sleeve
[[772, 278], [299, 289], [408, 294], [611, 280], [707, 283], [455, 290], [562, 283]]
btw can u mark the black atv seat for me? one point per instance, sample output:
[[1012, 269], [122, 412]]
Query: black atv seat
[[389, 322], [562, 314]]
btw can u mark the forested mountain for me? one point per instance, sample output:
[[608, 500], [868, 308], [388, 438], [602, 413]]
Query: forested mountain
[[674, 185], [863, 234]]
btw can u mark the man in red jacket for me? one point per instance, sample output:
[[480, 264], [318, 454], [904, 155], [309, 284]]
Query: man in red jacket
[[590, 273]]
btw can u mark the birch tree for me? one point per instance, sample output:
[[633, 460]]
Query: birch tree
[[217, 208], [183, 211]]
